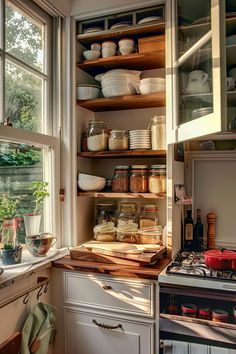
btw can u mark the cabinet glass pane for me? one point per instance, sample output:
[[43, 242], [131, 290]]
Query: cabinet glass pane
[[231, 62], [195, 85], [193, 22]]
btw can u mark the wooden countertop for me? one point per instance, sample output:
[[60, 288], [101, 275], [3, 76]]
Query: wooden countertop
[[112, 269]]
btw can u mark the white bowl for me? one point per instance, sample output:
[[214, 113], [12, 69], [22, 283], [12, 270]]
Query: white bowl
[[87, 92], [151, 88], [153, 80], [109, 44], [118, 73], [90, 183], [126, 49], [108, 52], [121, 90], [91, 54], [125, 42]]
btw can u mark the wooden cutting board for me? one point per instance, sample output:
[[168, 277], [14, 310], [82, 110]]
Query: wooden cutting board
[[118, 253]]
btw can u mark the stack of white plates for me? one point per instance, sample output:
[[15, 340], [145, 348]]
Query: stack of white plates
[[140, 139], [200, 112]]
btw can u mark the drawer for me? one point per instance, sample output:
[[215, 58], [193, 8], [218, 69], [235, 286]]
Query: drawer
[[115, 294]]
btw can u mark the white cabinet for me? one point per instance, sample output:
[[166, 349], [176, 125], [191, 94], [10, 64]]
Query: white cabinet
[[105, 315]]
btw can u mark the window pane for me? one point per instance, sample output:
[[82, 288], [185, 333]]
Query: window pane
[[20, 166], [24, 37], [23, 98]]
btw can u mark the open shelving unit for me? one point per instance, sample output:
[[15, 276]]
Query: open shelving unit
[[127, 195], [122, 154]]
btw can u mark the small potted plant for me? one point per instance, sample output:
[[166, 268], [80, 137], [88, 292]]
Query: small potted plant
[[32, 220]]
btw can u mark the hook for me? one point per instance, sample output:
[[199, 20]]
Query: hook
[[46, 288], [26, 299], [40, 292]]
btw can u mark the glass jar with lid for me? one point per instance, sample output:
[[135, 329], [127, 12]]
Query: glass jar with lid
[[97, 137], [120, 180], [148, 216], [158, 132], [157, 179], [128, 214], [105, 212], [138, 179], [118, 140]]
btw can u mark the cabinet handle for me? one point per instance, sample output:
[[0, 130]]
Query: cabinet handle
[[103, 325], [107, 287]]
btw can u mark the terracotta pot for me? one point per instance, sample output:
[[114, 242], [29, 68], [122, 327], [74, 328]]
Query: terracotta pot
[[220, 259]]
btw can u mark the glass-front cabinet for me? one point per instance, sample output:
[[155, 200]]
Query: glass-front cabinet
[[201, 68]]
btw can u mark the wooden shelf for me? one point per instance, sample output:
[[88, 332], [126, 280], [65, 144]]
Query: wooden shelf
[[134, 61], [124, 102], [122, 195], [122, 154], [134, 31]]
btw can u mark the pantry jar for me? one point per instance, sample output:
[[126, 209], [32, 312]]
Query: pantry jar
[[139, 179], [148, 216], [118, 140], [219, 315], [157, 179], [97, 137], [204, 313], [105, 212], [128, 214], [158, 132], [189, 310], [120, 180]]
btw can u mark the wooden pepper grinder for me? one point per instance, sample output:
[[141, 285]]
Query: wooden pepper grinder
[[211, 220]]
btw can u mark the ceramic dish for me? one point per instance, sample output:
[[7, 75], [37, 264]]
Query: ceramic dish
[[121, 24], [149, 19], [92, 29]]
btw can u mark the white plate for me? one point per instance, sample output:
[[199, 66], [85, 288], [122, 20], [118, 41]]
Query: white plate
[[92, 29], [121, 24], [149, 19]]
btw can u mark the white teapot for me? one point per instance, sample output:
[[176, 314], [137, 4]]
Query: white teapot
[[197, 83]]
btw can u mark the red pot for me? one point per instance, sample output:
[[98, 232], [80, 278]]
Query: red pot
[[220, 259]]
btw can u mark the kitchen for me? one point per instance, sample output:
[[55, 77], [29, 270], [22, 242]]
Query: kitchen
[[201, 173]]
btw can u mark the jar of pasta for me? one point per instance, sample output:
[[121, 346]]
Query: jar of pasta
[[157, 179]]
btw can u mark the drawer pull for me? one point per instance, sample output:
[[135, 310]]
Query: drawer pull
[[103, 325], [107, 287]]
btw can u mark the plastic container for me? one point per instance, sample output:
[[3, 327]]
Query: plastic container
[[189, 310], [157, 179], [148, 216], [97, 137], [158, 132], [118, 140], [120, 180], [105, 212], [138, 179]]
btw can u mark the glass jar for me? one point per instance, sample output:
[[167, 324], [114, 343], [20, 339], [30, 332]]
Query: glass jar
[[118, 140], [120, 180], [148, 216], [97, 137], [139, 179], [151, 235], [219, 315], [157, 179], [204, 313], [105, 232], [128, 233], [105, 212], [128, 214], [189, 310], [158, 132]]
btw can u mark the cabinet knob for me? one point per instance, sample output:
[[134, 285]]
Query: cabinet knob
[[107, 287]]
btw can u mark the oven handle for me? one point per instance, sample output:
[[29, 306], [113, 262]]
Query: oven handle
[[231, 287]]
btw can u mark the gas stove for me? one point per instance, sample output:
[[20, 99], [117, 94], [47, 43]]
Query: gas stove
[[189, 269]]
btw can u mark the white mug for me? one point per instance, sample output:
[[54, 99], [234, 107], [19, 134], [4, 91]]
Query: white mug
[[197, 83]]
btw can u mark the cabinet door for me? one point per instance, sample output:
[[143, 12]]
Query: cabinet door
[[91, 334], [194, 106]]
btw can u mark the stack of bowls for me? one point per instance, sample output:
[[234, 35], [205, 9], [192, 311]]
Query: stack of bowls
[[119, 82], [126, 46], [140, 139], [108, 49], [152, 85]]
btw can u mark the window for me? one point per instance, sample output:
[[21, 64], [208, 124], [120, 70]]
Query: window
[[29, 151]]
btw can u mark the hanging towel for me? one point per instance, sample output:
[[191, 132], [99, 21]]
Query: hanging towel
[[38, 330]]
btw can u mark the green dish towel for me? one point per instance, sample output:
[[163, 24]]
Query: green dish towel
[[38, 330]]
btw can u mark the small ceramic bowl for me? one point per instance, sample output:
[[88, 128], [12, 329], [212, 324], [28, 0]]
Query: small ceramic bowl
[[39, 245], [91, 54], [87, 91], [96, 46], [126, 49], [108, 52]]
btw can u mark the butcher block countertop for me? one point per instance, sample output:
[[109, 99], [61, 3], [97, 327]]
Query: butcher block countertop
[[148, 272]]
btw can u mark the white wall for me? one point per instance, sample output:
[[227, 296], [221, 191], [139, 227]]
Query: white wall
[[62, 5]]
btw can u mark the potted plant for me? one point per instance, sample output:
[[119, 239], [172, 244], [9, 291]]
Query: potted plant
[[32, 220]]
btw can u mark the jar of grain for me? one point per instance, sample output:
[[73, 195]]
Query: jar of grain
[[158, 132], [105, 232], [97, 139], [120, 180], [128, 214], [105, 212], [139, 179], [118, 140], [128, 233], [148, 216], [157, 179], [219, 315]]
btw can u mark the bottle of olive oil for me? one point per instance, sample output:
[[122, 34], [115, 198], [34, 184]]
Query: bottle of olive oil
[[198, 232], [188, 231]]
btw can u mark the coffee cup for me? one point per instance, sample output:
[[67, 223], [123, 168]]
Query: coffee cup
[[230, 83]]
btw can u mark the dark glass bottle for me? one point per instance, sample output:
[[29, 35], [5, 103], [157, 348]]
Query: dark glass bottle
[[188, 231], [198, 232]]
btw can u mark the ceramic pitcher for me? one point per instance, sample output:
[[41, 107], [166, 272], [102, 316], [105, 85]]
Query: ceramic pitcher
[[197, 83]]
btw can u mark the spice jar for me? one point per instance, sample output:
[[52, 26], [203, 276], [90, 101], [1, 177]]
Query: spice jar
[[157, 179], [148, 216], [127, 214], [105, 232], [118, 140], [139, 179], [189, 310], [204, 313], [97, 137], [219, 315], [105, 212], [120, 180], [158, 132]]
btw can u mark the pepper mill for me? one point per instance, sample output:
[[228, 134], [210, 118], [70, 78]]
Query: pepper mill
[[211, 220]]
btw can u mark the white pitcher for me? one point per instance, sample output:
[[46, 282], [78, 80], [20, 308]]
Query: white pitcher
[[197, 83]]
